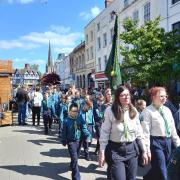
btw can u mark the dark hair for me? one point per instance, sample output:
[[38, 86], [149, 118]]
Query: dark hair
[[37, 89], [73, 105], [117, 107]]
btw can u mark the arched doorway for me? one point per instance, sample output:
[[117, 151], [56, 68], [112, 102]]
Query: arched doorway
[[91, 82], [77, 83], [84, 81], [80, 81]]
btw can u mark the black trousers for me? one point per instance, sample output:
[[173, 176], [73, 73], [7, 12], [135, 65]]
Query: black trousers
[[122, 161], [86, 144], [73, 152], [98, 130], [160, 153], [47, 123], [36, 112]]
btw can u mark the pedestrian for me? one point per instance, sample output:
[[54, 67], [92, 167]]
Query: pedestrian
[[22, 99], [36, 106], [47, 112], [73, 128], [160, 132], [64, 110], [107, 98], [119, 131], [140, 105], [79, 101], [88, 117], [98, 112]]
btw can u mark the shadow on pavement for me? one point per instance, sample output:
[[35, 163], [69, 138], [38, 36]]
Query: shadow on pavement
[[46, 169], [56, 153], [50, 170], [40, 142], [30, 131]]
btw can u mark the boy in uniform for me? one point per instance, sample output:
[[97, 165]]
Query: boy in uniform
[[73, 128]]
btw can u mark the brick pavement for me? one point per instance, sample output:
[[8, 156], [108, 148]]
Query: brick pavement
[[27, 154]]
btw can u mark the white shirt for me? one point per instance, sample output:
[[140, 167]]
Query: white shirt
[[38, 97], [153, 124], [113, 130]]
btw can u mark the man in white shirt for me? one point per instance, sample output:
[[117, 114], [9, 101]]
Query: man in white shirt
[[36, 106]]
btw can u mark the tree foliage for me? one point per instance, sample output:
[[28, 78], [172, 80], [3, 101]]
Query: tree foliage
[[50, 79], [35, 67], [153, 56]]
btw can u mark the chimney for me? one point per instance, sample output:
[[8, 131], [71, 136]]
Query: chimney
[[108, 2], [27, 66]]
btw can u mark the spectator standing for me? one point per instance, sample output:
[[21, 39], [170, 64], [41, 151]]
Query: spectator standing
[[36, 106], [22, 99]]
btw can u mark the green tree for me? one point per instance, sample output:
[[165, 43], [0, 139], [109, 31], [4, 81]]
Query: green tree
[[153, 56], [34, 67]]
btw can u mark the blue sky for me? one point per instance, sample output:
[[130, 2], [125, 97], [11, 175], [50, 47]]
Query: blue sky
[[26, 26]]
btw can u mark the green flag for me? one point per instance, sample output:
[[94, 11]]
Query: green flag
[[112, 70]]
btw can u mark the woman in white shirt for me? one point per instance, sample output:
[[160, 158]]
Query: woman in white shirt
[[159, 130], [119, 131]]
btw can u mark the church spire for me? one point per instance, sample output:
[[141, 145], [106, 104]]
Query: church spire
[[49, 66], [49, 56]]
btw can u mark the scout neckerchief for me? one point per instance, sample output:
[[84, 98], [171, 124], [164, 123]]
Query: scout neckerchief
[[78, 103], [167, 129], [125, 124], [75, 125]]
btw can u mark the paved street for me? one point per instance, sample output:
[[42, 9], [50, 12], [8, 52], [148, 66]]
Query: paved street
[[26, 154]]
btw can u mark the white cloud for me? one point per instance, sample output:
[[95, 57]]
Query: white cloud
[[32, 61], [95, 11], [23, 1], [88, 15], [60, 38], [63, 50], [19, 1], [55, 38], [60, 29]]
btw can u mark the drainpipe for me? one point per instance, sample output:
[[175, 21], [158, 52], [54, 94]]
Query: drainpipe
[[167, 13]]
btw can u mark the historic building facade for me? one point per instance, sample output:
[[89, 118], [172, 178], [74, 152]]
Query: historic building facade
[[79, 70], [25, 76]]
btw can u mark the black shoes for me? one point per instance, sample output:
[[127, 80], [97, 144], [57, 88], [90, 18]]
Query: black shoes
[[88, 158]]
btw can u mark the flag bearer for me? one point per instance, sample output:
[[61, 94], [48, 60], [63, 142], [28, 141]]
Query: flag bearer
[[73, 128]]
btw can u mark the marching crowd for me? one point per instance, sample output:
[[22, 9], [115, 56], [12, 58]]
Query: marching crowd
[[128, 134]]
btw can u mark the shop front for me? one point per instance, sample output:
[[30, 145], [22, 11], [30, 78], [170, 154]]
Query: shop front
[[101, 81]]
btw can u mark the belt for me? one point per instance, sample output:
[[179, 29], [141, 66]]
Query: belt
[[119, 143], [161, 137]]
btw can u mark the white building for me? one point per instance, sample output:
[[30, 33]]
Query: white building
[[59, 67], [79, 67], [26, 76], [104, 30], [90, 47], [67, 77], [141, 10]]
